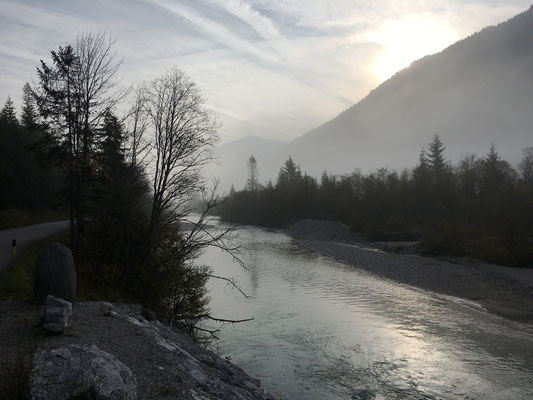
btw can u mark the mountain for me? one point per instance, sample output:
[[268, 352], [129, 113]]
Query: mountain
[[474, 93]]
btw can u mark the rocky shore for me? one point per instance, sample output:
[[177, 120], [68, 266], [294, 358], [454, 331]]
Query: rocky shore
[[505, 291], [165, 363]]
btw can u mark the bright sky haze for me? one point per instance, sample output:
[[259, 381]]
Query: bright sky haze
[[267, 68]]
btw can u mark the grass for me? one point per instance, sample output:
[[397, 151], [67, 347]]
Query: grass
[[15, 375], [15, 218], [104, 285], [16, 280]]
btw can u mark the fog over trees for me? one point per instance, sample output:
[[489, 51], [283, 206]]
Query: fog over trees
[[480, 207]]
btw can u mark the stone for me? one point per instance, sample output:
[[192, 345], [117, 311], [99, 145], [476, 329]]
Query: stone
[[108, 310], [57, 313], [149, 315], [80, 372], [55, 274]]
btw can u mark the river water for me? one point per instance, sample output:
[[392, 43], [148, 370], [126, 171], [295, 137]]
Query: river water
[[325, 330]]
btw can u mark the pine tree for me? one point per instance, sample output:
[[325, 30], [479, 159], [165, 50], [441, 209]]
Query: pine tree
[[422, 159], [112, 139], [435, 156], [289, 174], [8, 115], [28, 117]]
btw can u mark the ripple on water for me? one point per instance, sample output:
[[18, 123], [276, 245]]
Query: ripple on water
[[324, 330]]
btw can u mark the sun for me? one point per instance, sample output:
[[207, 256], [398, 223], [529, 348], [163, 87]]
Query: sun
[[405, 41]]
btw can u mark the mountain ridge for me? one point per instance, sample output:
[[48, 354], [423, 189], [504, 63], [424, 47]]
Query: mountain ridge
[[477, 91]]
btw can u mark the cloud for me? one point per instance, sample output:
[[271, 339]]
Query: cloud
[[267, 68]]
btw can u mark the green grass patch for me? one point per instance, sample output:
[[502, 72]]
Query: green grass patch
[[16, 280], [15, 218]]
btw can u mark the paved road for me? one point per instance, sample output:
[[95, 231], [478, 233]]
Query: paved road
[[25, 236]]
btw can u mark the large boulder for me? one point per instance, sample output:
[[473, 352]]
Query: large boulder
[[80, 372], [55, 274], [57, 313]]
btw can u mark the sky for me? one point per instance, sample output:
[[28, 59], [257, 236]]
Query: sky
[[274, 69]]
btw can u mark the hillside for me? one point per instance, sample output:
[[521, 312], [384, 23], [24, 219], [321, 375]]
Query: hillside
[[476, 92]]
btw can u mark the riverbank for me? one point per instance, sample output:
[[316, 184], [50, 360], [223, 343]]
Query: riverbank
[[504, 291], [166, 363]]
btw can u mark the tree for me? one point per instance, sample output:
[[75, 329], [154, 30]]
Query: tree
[[184, 134], [252, 184], [73, 95], [8, 114], [496, 174], [435, 157], [289, 174], [28, 117], [138, 124], [526, 167], [120, 195], [112, 144]]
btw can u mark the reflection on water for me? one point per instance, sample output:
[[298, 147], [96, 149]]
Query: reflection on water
[[324, 330]]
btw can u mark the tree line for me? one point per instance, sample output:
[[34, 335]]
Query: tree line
[[481, 206], [126, 177]]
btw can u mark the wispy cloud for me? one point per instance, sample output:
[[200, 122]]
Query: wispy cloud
[[267, 68]]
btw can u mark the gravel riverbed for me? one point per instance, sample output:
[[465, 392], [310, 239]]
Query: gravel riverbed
[[505, 291]]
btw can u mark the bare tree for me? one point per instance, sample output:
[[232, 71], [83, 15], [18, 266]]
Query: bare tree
[[252, 184], [184, 134], [137, 121]]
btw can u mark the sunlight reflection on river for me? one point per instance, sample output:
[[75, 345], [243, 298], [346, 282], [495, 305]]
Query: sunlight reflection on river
[[325, 330]]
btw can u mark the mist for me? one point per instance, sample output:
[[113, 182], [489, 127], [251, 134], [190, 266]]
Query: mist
[[475, 93]]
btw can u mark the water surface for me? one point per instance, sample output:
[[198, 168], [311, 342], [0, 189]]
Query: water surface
[[326, 330]]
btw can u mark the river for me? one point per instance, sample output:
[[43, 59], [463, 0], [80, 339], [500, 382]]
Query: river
[[324, 330]]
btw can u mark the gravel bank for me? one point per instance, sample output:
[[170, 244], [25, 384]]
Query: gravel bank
[[505, 291], [166, 363]]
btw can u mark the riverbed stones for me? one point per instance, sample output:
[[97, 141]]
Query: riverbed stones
[[55, 274], [57, 313], [80, 372]]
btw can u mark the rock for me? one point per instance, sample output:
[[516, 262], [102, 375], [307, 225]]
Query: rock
[[149, 315], [108, 310], [57, 313], [80, 372], [55, 274]]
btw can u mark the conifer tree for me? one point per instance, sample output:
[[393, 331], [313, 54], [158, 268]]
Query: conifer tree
[[435, 156], [8, 115], [28, 117]]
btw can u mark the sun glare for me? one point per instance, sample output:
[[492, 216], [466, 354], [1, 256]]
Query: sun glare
[[406, 41]]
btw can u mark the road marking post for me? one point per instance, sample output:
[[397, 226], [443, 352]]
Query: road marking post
[[13, 248]]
